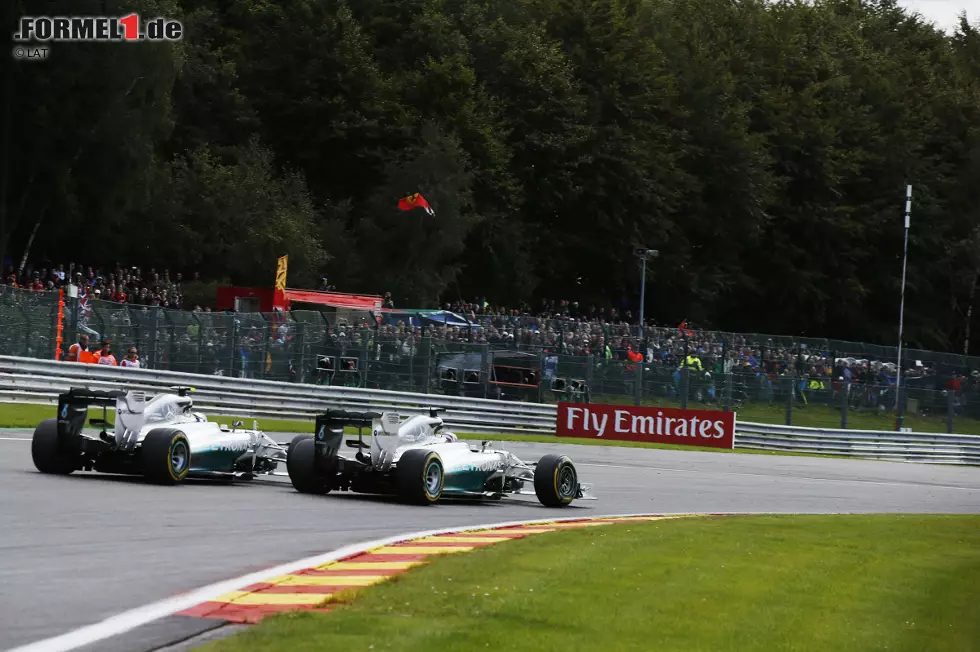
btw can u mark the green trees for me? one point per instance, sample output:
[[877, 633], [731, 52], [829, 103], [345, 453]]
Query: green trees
[[763, 148]]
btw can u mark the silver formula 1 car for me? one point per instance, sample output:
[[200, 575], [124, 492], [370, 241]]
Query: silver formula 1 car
[[418, 462], [162, 439]]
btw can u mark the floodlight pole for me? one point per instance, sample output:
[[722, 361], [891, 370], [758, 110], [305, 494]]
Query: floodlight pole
[[643, 295], [901, 312], [643, 254]]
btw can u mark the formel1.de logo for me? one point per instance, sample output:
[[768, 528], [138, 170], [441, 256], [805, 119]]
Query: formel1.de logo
[[36, 32]]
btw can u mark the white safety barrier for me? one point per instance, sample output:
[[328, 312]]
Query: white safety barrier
[[29, 380], [936, 448]]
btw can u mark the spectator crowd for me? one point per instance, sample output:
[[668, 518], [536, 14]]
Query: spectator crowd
[[129, 285], [609, 334]]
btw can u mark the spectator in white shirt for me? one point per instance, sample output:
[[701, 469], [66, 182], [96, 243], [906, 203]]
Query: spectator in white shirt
[[131, 359]]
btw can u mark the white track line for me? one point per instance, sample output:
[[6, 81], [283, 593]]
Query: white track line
[[15, 438], [129, 620]]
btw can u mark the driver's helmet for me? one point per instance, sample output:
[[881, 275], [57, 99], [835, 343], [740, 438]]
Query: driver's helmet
[[450, 437]]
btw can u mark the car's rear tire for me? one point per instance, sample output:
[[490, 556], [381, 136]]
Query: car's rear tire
[[165, 456], [292, 444], [555, 481], [420, 476], [46, 452], [301, 466]]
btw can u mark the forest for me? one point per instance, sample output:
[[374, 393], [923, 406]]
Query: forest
[[763, 148]]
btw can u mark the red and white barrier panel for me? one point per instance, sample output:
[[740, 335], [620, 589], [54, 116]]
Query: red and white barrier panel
[[710, 428]]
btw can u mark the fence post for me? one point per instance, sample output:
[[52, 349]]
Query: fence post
[[540, 376], [949, 411], [685, 385], [845, 389], [484, 367], [365, 355], [170, 346], [791, 378], [638, 385], [899, 400], [427, 340], [413, 350], [200, 342], [728, 392], [590, 372], [233, 354]]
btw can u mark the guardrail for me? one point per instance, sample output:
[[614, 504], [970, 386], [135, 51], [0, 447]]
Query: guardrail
[[936, 448], [40, 381], [29, 380]]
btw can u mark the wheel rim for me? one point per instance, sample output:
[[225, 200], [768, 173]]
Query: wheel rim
[[178, 457], [567, 481], [433, 478]]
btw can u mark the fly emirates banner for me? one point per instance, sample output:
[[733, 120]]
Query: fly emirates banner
[[658, 425]]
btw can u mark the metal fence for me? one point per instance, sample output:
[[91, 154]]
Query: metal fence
[[40, 381], [766, 378]]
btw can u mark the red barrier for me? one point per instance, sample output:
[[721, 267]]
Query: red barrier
[[711, 428]]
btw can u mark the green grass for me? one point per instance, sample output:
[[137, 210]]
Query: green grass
[[745, 584]]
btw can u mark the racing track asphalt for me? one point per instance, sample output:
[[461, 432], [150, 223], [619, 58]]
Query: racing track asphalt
[[75, 550]]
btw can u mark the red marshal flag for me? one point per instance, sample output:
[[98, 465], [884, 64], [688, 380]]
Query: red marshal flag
[[415, 201]]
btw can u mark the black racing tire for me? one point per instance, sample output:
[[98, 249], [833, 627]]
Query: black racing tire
[[301, 466], [555, 481], [165, 456], [295, 440], [47, 454], [420, 476]]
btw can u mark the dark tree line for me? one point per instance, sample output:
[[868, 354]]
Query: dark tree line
[[763, 148]]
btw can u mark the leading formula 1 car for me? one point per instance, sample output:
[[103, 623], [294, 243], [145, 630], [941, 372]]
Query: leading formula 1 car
[[162, 439], [417, 462]]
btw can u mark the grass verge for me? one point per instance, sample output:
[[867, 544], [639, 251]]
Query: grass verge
[[741, 583]]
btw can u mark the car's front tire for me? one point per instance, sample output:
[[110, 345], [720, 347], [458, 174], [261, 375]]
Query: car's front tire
[[165, 456], [420, 476], [555, 481], [301, 466], [46, 450]]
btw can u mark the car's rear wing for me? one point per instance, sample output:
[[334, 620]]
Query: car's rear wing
[[329, 433], [343, 418], [73, 407]]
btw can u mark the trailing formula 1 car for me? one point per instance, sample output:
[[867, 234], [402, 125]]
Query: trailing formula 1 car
[[162, 439], [418, 463]]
